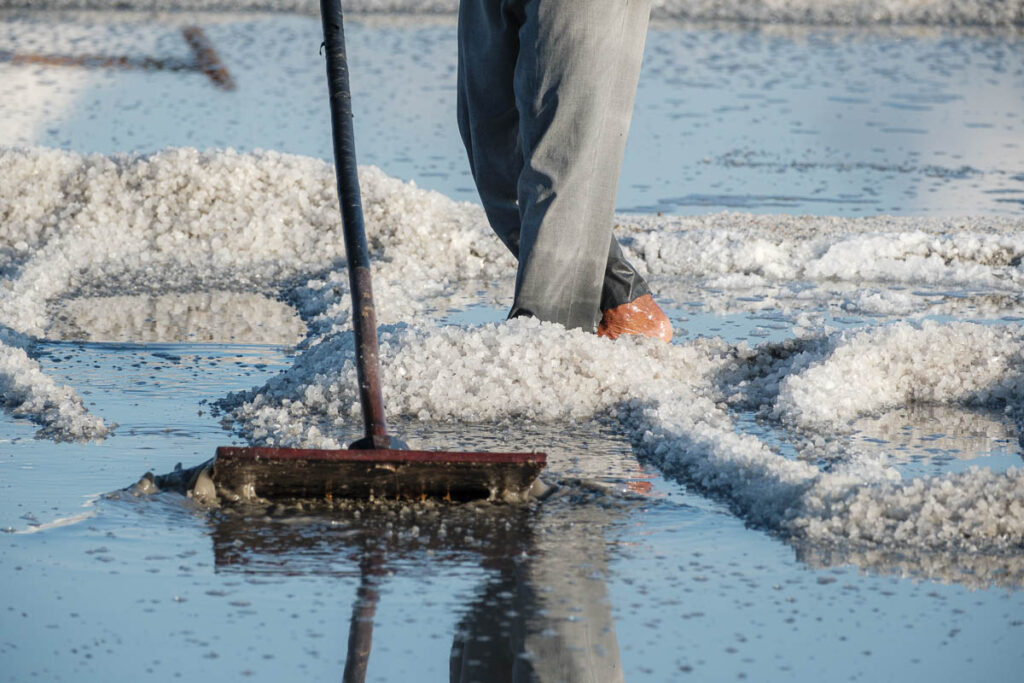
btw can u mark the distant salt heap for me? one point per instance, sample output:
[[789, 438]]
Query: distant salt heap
[[188, 221], [934, 12]]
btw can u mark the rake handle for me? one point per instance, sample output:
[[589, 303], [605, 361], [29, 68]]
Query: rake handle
[[364, 320]]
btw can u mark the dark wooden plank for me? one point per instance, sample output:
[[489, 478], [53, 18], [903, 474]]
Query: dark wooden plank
[[255, 472]]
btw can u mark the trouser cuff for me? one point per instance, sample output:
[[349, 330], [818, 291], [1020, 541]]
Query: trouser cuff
[[622, 284]]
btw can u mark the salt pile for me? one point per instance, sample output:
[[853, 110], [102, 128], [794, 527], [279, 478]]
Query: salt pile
[[968, 252], [664, 398], [955, 12], [898, 365], [192, 222], [178, 220], [27, 392], [185, 221]]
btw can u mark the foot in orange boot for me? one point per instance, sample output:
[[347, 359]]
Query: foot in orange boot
[[640, 316]]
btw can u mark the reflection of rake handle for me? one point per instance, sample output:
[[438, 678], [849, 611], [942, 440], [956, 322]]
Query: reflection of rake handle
[[360, 632]]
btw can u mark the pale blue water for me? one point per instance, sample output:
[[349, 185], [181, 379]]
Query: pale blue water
[[100, 587], [840, 121], [169, 590]]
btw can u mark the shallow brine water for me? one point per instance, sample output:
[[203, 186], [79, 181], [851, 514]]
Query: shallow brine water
[[774, 119], [668, 583], [819, 480]]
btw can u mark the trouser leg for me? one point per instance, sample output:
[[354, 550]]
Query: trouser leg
[[621, 282], [545, 95], [575, 82], [488, 118]]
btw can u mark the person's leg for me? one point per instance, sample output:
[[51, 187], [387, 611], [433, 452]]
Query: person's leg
[[575, 80], [488, 37], [488, 47]]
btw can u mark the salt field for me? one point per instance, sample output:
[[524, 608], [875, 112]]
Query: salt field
[[819, 479], [786, 119]]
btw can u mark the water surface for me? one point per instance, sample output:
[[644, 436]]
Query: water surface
[[670, 584]]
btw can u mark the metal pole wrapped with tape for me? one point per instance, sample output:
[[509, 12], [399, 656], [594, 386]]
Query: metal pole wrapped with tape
[[364, 320], [378, 465]]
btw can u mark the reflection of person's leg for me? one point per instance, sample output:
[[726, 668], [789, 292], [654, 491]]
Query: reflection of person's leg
[[570, 634], [544, 614], [566, 72], [489, 640]]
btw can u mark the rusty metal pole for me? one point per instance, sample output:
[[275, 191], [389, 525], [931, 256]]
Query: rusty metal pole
[[364, 322]]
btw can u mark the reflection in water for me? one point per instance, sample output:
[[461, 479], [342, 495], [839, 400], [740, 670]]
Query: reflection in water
[[545, 616], [976, 572], [360, 634], [951, 431], [206, 316], [542, 614]]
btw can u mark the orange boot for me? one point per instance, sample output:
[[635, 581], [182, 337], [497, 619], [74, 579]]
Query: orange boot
[[640, 316]]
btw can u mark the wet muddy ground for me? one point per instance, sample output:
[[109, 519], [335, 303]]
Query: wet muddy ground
[[667, 583]]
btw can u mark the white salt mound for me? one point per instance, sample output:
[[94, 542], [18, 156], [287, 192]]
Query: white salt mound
[[187, 221], [176, 219], [877, 369], [662, 397], [27, 392], [519, 370], [182, 220], [981, 252]]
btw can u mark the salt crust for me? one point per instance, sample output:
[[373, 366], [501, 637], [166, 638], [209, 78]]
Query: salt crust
[[662, 397], [956, 363], [953, 252], [978, 12], [975, 571], [192, 221], [27, 392]]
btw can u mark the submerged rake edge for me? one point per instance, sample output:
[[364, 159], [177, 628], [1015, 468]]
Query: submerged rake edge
[[378, 465], [374, 474]]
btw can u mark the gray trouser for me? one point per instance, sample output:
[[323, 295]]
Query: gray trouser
[[545, 96]]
